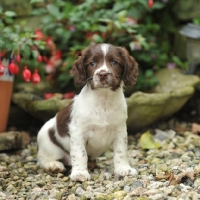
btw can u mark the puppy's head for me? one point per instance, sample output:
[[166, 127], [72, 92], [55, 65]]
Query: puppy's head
[[105, 66]]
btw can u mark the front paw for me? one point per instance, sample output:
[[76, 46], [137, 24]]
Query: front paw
[[78, 175], [125, 170], [54, 166]]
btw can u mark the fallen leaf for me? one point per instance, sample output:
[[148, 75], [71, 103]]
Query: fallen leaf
[[147, 142], [165, 176], [172, 180], [175, 179]]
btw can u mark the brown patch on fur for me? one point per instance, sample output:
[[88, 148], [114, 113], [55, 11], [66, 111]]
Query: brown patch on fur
[[130, 67], [80, 67], [78, 72], [63, 119], [53, 139]]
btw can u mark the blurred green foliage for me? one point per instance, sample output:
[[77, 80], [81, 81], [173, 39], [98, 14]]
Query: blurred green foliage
[[196, 21], [16, 39], [73, 25]]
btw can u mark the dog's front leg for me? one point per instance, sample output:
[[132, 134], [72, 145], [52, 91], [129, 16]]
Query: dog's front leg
[[78, 158], [121, 164]]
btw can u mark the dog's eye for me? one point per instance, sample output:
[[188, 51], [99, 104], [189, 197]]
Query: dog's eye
[[114, 63], [92, 64]]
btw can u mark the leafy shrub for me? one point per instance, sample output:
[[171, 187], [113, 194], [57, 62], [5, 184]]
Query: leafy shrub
[[196, 21], [73, 25], [18, 44]]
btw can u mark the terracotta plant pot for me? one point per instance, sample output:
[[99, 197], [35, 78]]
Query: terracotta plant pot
[[6, 84]]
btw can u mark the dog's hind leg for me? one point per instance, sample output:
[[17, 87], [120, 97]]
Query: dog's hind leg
[[50, 154]]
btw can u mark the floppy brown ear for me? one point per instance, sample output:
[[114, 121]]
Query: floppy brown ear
[[130, 68], [78, 72]]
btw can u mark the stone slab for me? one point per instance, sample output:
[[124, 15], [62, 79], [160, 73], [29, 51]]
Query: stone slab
[[13, 140]]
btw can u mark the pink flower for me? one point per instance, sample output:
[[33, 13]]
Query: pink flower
[[39, 34], [130, 21], [171, 65], [136, 47], [154, 56], [49, 68], [72, 28], [49, 42]]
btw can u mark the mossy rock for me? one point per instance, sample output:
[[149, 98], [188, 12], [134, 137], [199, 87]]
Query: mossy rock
[[168, 97], [187, 9]]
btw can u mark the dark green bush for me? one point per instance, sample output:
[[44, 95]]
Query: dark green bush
[[146, 32]]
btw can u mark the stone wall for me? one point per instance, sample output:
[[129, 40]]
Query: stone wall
[[23, 8], [188, 9]]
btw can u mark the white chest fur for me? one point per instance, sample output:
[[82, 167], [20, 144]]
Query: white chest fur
[[98, 114]]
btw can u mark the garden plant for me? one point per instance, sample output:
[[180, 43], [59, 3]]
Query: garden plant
[[67, 27]]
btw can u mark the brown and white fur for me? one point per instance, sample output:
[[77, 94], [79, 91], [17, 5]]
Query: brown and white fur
[[96, 119]]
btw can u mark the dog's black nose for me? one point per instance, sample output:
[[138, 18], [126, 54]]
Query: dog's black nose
[[102, 75]]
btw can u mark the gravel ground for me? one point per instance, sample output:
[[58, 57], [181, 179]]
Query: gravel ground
[[170, 172]]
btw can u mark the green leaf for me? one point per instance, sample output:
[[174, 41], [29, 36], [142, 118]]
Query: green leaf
[[10, 14], [35, 54], [130, 30], [8, 20], [131, 45], [37, 1], [158, 5], [104, 20], [53, 10], [117, 24], [64, 80], [97, 38], [149, 73], [122, 14], [118, 6], [147, 142], [196, 21], [39, 11]]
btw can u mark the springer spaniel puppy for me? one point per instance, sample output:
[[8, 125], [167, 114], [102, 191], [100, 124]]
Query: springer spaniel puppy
[[96, 119]]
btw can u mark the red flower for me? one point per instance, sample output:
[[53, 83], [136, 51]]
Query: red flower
[[18, 58], [68, 95], [39, 58], [2, 53], [2, 69], [57, 54], [103, 35], [150, 3], [45, 59], [39, 34], [26, 74], [13, 68], [48, 95], [90, 35], [49, 42], [16, 70], [35, 77]]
